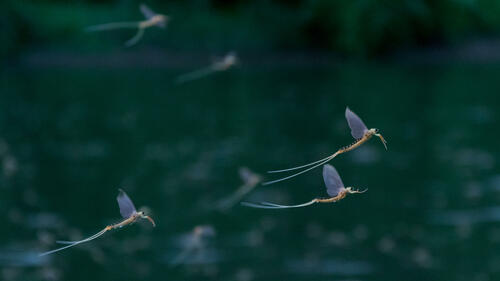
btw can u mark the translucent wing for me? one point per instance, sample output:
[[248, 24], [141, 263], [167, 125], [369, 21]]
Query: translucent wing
[[332, 180], [146, 11], [246, 175], [127, 208], [358, 128]]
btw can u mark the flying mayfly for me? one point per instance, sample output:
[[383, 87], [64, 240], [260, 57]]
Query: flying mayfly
[[128, 212], [250, 180], [152, 19], [222, 64], [195, 246], [359, 131], [334, 187]]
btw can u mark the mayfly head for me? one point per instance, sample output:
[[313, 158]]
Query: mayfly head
[[161, 20], [144, 216]]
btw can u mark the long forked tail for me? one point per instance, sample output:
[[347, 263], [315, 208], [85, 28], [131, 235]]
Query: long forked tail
[[298, 167], [315, 165], [267, 205], [111, 26], [74, 243], [83, 240], [132, 41], [197, 74]]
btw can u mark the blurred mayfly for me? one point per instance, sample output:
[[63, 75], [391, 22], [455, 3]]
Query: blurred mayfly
[[152, 19], [359, 131], [128, 212], [195, 246], [334, 187], [250, 180], [222, 64]]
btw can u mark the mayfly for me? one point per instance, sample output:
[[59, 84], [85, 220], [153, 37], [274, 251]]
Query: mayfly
[[223, 64], [359, 132], [334, 187], [195, 245], [128, 212], [250, 180], [152, 19]]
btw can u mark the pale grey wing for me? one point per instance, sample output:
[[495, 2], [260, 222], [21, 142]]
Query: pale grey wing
[[245, 174], [146, 11], [127, 208], [332, 180], [358, 128]]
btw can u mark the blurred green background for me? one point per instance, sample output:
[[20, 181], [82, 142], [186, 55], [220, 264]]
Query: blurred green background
[[349, 27], [81, 116]]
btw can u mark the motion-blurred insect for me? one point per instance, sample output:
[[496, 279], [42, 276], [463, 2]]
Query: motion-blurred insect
[[250, 180], [195, 246], [334, 187], [223, 64], [152, 19], [128, 212], [359, 131]]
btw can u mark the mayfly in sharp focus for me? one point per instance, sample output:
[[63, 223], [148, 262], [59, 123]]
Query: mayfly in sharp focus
[[128, 212], [359, 131], [334, 187], [222, 64], [152, 19]]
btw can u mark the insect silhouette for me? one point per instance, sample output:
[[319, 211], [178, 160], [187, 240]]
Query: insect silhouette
[[359, 132], [250, 180], [195, 246], [128, 212], [334, 187], [222, 64], [152, 19]]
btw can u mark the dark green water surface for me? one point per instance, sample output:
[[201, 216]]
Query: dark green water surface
[[69, 138]]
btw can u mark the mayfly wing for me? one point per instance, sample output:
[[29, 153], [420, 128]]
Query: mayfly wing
[[127, 208], [231, 56], [247, 176], [146, 11], [358, 128], [332, 179]]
